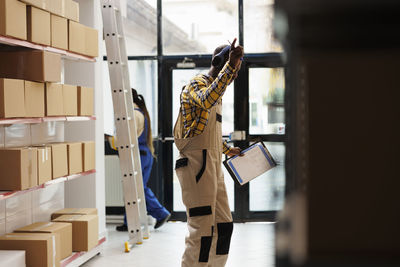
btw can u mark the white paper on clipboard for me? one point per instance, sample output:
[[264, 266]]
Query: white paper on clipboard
[[255, 161]]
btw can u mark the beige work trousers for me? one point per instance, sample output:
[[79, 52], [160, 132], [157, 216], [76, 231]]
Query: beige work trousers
[[204, 194]]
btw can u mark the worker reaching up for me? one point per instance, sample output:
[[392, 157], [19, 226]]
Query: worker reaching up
[[198, 137]]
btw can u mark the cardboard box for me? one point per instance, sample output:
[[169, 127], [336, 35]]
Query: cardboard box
[[85, 101], [54, 104], [44, 164], [12, 100], [76, 37], [89, 162], [32, 65], [42, 4], [74, 211], [85, 230], [72, 10], [38, 25], [59, 32], [59, 161], [70, 99], [64, 230], [39, 247], [75, 161], [91, 42], [57, 7], [18, 168], [34, 99], [13, 19]]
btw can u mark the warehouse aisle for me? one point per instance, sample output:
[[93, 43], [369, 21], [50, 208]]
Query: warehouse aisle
[[252, 245]]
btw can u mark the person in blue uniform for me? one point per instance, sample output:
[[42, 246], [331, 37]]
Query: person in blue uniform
[[145, 140]]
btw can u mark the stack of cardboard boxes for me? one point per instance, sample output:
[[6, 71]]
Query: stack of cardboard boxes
[[26, 167], [29, 88], [52, 23], [47, 243]]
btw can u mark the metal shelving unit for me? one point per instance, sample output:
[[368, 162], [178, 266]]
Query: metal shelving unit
[[78, 258], [10, 44], [45, 119], [8, 194], [9, 41]]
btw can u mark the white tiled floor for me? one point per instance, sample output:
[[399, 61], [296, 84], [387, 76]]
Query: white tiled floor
[[252, 245]]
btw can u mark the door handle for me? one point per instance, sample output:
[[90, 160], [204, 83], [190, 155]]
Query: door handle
[[166, 139], [237, 136]]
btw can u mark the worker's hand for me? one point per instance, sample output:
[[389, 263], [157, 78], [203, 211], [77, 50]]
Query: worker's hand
[[235, 55], [233, 151]]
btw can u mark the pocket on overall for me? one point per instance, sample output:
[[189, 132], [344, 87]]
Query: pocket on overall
[[203, 166]]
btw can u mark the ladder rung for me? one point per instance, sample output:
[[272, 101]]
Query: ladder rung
[[134, 202]]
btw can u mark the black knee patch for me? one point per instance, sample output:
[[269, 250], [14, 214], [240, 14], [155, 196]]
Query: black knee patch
[[205, 248], [219, 117], [200, 211], [224, 237], [183, 162]]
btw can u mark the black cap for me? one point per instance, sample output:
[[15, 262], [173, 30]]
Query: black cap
[[218, 59]]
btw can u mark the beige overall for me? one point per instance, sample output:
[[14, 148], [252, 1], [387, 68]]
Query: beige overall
[[199, 171]]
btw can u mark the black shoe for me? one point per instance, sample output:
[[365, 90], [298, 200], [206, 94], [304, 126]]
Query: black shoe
[[159, 223], [122, 228]]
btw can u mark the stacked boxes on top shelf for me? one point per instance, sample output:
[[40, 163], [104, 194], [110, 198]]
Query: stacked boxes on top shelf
[[52, 23], [38, 25], [13, 19]]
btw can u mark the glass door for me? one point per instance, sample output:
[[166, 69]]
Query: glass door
[[259, 111], [267, 122], [253, 103]]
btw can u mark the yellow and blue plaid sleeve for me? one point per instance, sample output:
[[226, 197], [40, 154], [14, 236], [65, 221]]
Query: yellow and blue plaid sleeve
[[206, 97], [225, 148]]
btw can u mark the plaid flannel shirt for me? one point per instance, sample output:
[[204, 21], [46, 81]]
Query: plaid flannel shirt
[[199, 96]]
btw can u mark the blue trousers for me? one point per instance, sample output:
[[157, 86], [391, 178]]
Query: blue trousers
[[154, 208]]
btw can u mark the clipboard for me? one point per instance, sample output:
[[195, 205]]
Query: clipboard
[[256, 161]]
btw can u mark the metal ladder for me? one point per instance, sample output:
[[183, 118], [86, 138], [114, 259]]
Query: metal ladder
[[127, 140]]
